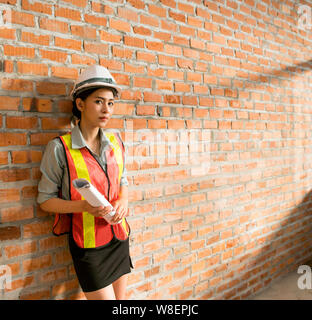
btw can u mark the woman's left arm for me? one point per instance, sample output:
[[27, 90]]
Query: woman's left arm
[[121, 204]]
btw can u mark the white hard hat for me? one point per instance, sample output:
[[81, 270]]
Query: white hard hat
[[94, 76]]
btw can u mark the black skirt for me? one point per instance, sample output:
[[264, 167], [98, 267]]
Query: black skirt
[[97, 268]]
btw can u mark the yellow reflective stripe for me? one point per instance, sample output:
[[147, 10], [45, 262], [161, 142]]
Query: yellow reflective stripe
[[124, 224], [82, 172], [119, 158], [117, 152]]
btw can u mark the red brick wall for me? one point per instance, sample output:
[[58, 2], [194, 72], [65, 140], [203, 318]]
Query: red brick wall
[[234, 76]]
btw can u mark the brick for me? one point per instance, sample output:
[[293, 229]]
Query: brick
[[152, 97], [129, 68], [17, 213], [9, 195], [127, 14], [53, 25], [99, 48], [51, 243], [148, 57], [120, 25], [164, 85], [65, 287], [53, 55], [67, 13], [64, 72], [142, 31], [21, 156], [155, 46], [93, 19], [112, 65], [36, 229], [38, 263], [65, 106], [134, 42], [42, 138], [3, 157], [32, 68], [30, 192], [37, 39], [21, 122], [17, 84], [42, 105], [51, 88], [68, 43], [145, 110], [157, 10], [7, 139], [138, 4], [142, 82], [7, 33], [36, 295], [152, 246], [55, 123], [83, 32], [21, 283], [8, 66], [37, 7], [11, 175], [23, 18], [54, 275], [9, 233], [9, 103], [177, 16], [19, 51], [12, 251], [122, 53], [109, 37]]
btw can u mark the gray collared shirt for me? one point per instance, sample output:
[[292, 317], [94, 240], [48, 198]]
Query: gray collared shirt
[[54, 169]]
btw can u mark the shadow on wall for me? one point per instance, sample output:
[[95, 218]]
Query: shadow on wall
[[283, 238], [283, 250]]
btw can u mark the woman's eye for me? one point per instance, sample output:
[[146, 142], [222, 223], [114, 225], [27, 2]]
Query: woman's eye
[[111, 104], [98, 101]]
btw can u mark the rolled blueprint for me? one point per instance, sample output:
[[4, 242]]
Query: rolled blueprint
[[94, 197]]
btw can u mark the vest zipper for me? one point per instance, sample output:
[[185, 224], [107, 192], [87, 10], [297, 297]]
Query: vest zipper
[[105, 170]]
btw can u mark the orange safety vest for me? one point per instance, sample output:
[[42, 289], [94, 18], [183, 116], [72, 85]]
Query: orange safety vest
[[89, 231]]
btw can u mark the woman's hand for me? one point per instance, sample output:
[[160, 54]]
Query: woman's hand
[[121, 207], [96, 211]]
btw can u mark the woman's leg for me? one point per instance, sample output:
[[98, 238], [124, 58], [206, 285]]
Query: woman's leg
[[106, 293], [120, 287]]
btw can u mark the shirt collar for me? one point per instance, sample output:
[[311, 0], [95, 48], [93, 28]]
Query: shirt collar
[[79, 142]]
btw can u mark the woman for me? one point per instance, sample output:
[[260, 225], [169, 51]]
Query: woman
[[100, 250]]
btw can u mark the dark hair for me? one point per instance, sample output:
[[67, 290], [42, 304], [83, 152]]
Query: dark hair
[[83, 95]]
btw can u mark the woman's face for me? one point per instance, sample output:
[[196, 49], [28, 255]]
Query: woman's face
[[97, 108]]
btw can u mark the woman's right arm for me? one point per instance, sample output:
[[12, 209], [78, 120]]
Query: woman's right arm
[[63, 206], [68, 206]]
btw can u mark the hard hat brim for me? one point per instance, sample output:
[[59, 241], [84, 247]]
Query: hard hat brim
[[86, 86]]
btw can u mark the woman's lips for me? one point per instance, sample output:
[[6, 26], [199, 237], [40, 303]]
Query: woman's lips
[[103, 118]]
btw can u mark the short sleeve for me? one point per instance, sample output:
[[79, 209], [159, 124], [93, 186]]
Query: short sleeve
[[52, 170]]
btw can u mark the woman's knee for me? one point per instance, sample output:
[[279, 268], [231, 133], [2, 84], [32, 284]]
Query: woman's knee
[[106, 293]]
